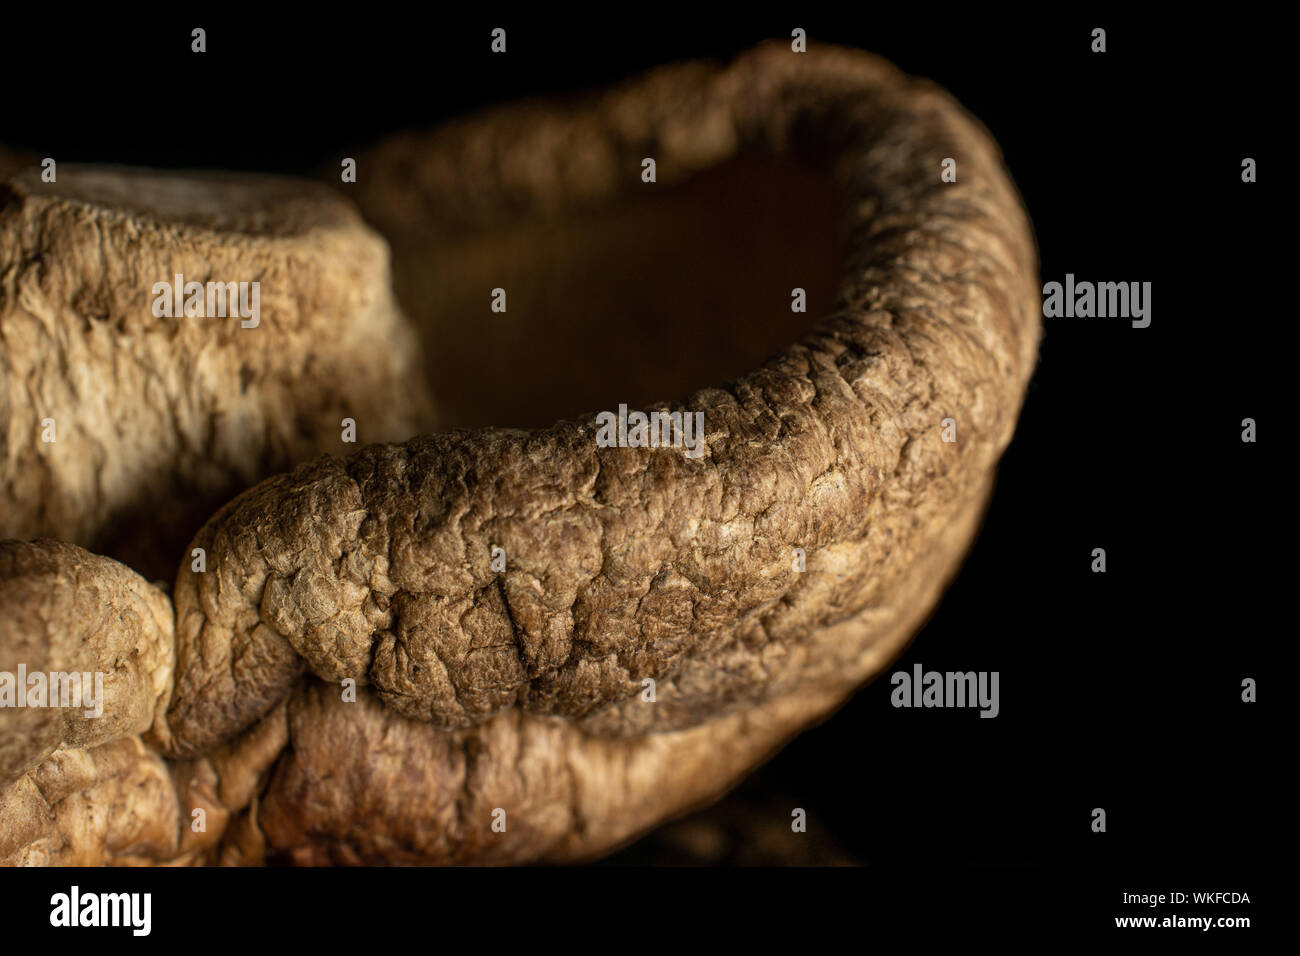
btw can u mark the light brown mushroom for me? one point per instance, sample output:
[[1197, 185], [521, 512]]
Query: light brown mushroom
[[120, 429], [756, 586], [86, 652]]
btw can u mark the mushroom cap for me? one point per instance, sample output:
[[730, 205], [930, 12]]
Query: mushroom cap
[[756, 586], [480, 689], [156, 420]]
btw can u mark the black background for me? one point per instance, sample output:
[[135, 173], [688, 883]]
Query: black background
[[1118, 690]]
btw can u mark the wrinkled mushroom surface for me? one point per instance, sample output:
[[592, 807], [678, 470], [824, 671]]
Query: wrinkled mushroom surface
[[121, 430], [756, 585], [93, 642]]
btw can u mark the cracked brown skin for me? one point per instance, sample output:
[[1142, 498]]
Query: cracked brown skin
[[113, 804], [65, 610], [160, 420], [626, 564], [521, 691], [122, 804], [359, 784]]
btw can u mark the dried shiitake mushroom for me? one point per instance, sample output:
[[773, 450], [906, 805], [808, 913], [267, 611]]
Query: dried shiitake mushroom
[[69, 612], [502, 645], [121, 430]]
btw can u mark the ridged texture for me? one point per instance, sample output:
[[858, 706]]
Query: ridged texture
[[520, 691], [159, 420], [66, 612], [628, 564]]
